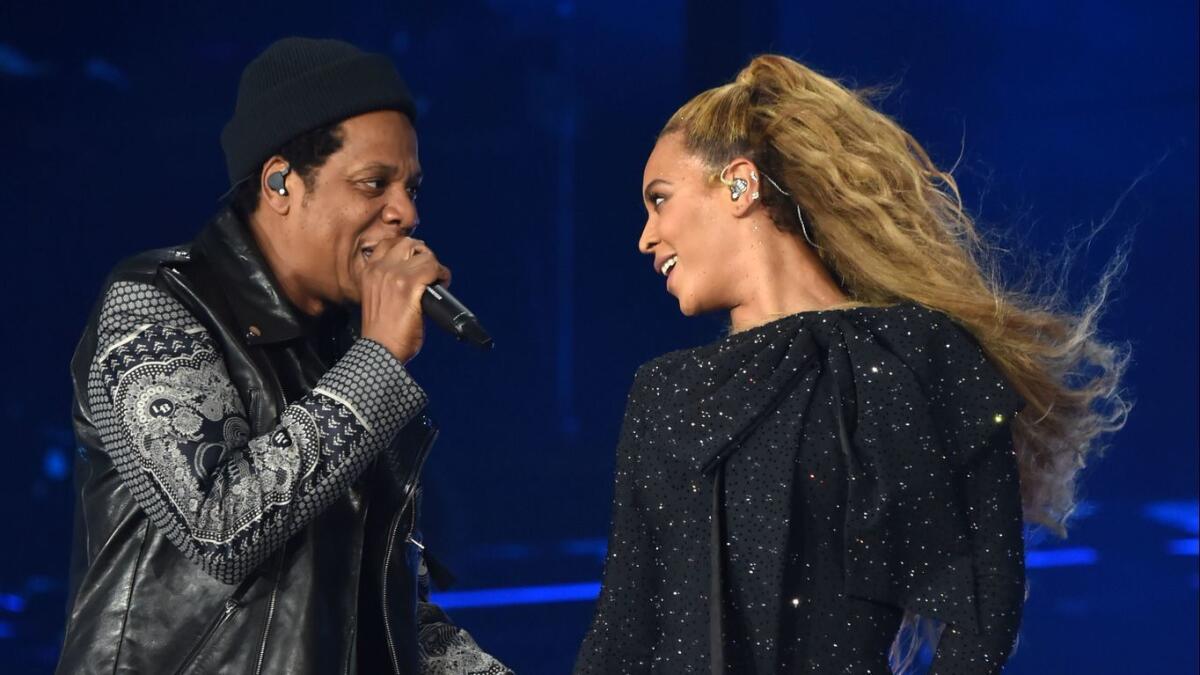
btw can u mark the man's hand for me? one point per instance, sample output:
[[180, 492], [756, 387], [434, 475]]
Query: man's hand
[[393, 282]]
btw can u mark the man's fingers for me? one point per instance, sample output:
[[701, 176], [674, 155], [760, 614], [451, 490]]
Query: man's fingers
[[406, 261], [402, 247], [417, 247], [431, 271]]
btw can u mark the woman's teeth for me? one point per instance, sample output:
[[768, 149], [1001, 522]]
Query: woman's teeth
[[667, 266]]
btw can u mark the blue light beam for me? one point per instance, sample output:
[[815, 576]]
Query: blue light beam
[[518, 595]]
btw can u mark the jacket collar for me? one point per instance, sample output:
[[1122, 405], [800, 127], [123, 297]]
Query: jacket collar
[[262, 312]]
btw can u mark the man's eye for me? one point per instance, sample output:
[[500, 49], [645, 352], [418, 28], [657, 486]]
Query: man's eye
[[413, 193], [374, 183]]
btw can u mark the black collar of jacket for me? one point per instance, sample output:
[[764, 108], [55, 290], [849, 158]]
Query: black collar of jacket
[[261, 311]]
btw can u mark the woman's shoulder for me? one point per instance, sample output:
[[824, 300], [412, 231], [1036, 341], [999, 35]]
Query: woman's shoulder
[[901, 318], [666, 361], [898, 316], [920, 336], [941, 358], [908, 324]]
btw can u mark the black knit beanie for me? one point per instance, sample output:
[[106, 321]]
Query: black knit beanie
[[299, 84]]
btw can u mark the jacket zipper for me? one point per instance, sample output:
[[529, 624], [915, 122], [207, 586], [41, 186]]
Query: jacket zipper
[[262, 649], [231, 607], [387, 621], [409, 492]]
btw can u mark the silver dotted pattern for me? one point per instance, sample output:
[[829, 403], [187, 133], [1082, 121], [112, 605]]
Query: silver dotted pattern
[[177, 433]]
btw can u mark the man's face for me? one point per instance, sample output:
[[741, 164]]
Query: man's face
[[364, 193]]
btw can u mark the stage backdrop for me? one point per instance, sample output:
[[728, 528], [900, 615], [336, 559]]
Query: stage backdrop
[[536, 118]]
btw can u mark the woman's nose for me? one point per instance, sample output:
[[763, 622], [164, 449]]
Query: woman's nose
[[649, 239]]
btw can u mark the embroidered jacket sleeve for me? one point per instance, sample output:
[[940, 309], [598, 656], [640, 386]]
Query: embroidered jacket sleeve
[[446, 649], [177, 432]]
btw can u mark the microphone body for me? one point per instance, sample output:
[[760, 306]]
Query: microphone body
[[451, 315]]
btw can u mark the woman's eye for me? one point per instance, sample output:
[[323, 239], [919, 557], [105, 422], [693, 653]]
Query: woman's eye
[[657, 200], [413, 193]]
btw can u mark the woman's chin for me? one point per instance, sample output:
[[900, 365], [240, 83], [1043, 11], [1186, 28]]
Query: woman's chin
[[692, 303], [689, 307], [693, 306]]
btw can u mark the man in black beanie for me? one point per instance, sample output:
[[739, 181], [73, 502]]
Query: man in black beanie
[[250, 439]]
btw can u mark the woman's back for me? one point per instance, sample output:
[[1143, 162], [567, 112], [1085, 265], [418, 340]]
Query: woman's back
[[839, 453]]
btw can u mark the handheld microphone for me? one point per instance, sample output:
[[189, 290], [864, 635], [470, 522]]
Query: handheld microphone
[[452, 316]]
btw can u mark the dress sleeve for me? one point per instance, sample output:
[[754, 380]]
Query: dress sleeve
[[994, 498], [616, 642], [935, 523]]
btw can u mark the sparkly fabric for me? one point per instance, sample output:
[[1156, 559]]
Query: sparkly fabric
[[863, 466]]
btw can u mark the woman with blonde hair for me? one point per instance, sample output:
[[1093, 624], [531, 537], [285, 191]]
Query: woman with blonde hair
[[858, 457]]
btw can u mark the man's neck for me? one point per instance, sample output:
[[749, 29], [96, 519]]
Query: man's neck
[[269, 239]]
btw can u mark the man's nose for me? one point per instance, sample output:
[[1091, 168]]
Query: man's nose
[[401, 212]]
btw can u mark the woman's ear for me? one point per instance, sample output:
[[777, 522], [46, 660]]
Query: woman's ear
[[740, 177]]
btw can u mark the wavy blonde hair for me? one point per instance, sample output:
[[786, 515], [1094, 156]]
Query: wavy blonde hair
[[891, 226]]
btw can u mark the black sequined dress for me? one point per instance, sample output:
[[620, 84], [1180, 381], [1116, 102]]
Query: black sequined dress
[[825, 473]]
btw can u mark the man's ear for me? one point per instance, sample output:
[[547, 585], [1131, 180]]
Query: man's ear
[[275, 181]]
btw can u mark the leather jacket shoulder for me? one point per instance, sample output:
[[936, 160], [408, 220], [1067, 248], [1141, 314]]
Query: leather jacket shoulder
[[224, 476]]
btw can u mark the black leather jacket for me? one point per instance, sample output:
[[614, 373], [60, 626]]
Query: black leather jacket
[[334, 586]]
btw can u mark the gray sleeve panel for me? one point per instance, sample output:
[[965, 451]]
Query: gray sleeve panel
[[175, 428]]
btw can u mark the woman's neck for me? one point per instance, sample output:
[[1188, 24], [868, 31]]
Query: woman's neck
[[784, 277]]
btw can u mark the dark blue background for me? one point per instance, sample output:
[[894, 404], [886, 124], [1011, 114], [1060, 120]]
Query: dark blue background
[[536, 120]]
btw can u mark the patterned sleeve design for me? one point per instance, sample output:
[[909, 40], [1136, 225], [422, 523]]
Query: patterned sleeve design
[[444, 648], [177, 432]]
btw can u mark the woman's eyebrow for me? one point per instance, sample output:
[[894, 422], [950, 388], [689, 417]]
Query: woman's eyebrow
[[650, 187]]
